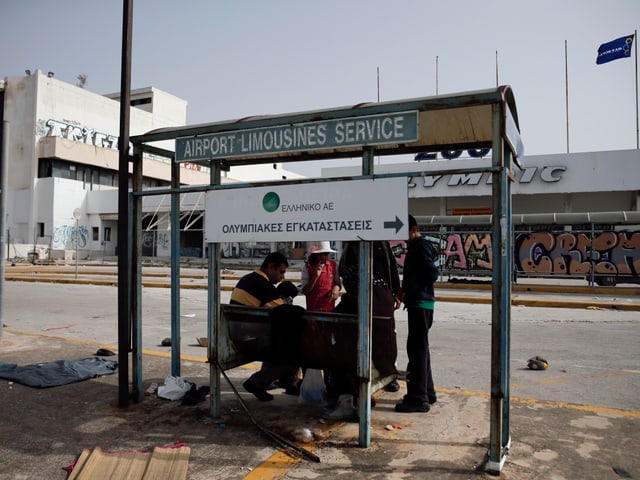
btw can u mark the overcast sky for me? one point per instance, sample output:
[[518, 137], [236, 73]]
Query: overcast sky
[[232, 59]]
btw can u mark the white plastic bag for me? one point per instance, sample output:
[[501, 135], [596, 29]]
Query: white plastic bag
[[313, 389], [174, 388]]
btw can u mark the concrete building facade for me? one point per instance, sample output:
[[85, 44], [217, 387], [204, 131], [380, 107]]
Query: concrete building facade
[[559, 183], [62, 161], [62, 169]]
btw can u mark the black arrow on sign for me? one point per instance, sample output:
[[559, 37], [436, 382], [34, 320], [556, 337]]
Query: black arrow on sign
[[397, 224]]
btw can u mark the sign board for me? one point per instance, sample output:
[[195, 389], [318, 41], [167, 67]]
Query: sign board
[[389, 128], [340, 210], [513, 136]]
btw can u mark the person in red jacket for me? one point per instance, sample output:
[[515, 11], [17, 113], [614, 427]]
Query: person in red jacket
[[320, 280]]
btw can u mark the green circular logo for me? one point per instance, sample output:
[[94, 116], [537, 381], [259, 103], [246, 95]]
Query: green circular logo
[[271, 202]]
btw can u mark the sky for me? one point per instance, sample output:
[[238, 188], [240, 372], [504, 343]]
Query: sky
[[236, 58]]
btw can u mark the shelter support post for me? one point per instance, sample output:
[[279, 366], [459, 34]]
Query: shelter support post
[[124, 257], [136, 285], [214, 280], [365, 309], [501, 296], [175, 269], [364, 344]]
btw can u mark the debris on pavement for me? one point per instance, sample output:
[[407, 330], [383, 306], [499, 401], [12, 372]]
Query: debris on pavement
[[537, 363]]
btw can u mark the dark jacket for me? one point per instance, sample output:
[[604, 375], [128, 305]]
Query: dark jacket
[[384, 267], [420, 273]]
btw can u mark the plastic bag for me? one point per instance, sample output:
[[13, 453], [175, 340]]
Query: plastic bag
[[174, 388], [313, 389]]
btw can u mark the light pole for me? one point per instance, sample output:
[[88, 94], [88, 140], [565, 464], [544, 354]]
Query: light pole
[[77, 214]]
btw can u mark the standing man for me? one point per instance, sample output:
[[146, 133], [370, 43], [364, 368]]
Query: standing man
[[385, 291], [257, 289], [420, 274], [320, 280]]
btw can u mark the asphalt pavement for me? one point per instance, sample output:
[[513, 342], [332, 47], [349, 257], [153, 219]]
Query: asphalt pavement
[[578, 419]]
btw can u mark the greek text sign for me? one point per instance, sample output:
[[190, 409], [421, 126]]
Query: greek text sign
[[340, 210], [328, 134]]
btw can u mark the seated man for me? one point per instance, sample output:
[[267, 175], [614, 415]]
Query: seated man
[[257, 289]]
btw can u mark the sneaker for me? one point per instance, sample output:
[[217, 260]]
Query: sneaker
[[411, 407], [260, 394], [345, 410], [394, 386]]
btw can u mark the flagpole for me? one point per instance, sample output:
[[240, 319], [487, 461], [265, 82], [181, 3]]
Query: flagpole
[[436, 75], [566, 88], [378, 81], [635, 37], [497, 82]]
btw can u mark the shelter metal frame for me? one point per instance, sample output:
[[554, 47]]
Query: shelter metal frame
[[478, 119]]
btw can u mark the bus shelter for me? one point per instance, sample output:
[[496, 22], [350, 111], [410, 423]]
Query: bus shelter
[[365, 207]]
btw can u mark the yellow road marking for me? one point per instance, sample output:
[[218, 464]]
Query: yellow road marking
[[450, 391], [548, 403], [280, 463]]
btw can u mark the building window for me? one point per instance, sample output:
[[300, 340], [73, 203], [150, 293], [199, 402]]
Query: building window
[[44, 168], [40, 229], [140, 101], [80, 174], [62, 170], [96, 233], [105, 178], [107, 234]]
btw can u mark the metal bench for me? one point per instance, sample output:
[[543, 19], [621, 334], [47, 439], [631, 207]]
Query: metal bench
[[308, 339]]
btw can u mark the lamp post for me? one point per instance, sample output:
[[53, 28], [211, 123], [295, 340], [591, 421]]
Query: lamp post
[[77, 214]]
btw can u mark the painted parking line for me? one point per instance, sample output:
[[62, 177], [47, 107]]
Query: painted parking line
[[450, 391], [548, 403], [281, 463]]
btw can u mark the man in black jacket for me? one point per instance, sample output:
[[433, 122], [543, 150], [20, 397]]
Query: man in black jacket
[[419, 275]]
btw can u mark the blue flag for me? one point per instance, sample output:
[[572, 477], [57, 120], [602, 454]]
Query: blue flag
[[618, 48]]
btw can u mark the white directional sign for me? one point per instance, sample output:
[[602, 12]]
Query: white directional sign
[[339, 210]]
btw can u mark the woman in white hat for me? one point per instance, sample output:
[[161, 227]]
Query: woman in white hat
[[320, 280]]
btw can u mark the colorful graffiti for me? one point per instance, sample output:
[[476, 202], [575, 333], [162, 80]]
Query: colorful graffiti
[[467, 252], [540, 253], [569, 253], [64, 236]]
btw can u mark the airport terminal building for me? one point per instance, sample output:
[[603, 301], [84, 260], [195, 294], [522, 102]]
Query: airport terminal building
[[61, 159], [547, 184]]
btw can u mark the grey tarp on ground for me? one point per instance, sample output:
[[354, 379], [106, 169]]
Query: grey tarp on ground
[[60, 372]]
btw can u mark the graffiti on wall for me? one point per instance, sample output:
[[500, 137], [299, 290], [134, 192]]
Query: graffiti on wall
[[163, 241], [457, 251], [569, 253], [466, 252], [540, 253], [90, 136], [64, 236]]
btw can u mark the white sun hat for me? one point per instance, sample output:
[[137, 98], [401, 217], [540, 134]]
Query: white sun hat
[[323, 247]]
